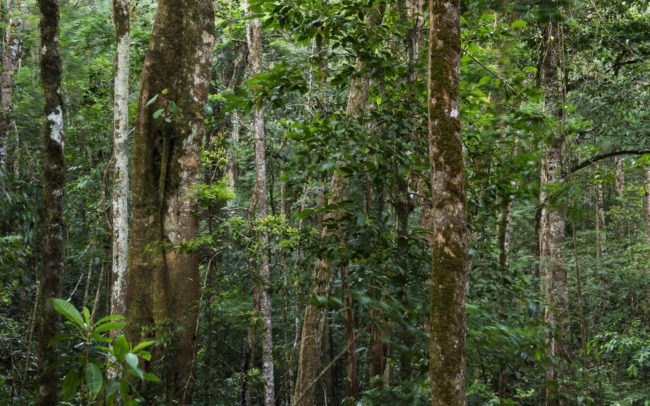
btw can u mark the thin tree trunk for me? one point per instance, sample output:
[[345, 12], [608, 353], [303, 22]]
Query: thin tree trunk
[[620, 175], [505, 224], [53, 174], [646, 201], [121, 155], [9, 62], [448, 207], [163, 283], [552, 221], [309, 360], [351, 364], [255, 59]]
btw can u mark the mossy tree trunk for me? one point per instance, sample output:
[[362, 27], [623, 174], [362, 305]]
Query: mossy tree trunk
[[163, 285], [646, 200], [447, 213], [119, 206], [53, 175], [552, 222], [10, 60]]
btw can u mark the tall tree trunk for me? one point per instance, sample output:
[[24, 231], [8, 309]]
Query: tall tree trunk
[[505, 224], [552, 224], [53, 174], [646, 200], [232, 168], [351, 364], [9, 62], [163, 283], [309, 359], [448, 207], [121, 155], [620, 175], [255, 59]]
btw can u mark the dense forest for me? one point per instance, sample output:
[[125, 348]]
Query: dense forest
[[325, 202]]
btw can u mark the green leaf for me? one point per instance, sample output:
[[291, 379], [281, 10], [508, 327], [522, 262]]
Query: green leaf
[[151, 377], [120, 347], [71, 383], [157, 113], [107, 318], [109, 326], [146, 355], [94, 379], [518, 24], [152, 101], [111, 388], [86, 315], [69, 311], [143, 344], [131, 359]]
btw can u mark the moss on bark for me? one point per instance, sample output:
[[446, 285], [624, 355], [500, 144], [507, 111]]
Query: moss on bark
[[447, 217], [163, 283]]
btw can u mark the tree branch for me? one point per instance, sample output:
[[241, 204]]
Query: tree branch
[[604, 156]]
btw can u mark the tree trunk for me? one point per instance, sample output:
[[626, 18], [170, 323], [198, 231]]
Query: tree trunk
[[448, 207], [163, 283], [351, 365], [9, 63], [646, 201], [505, 224], [255, 59], [552, 224], [309, 359], [620, 175], [121, 155], [53, 175]]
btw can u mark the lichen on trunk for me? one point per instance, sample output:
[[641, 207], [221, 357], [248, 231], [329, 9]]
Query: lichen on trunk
[[53, 175], [163, 286], [447, 212]]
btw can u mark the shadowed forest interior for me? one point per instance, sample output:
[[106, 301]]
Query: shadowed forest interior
[[325, 202]]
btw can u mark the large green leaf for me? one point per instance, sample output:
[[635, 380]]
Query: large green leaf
[[71, 383], [69, 311], [110, 326], [131, 359], [94, 379], [120, 347]]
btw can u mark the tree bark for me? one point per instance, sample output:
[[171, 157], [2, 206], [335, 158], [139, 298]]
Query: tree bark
[[53, 175], [646, 200], [120, 209], [620, 175], [553, 223], [255, 59], [163, 283], [351, 364], [9, 62], [447, 211], [309, 359]]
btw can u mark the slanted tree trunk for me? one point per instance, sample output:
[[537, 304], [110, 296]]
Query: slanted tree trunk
[[255, 59], [9, 62], [552, 226], [163, 283], [119, 205], [53, 175], [309, 358], [447, 212]]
